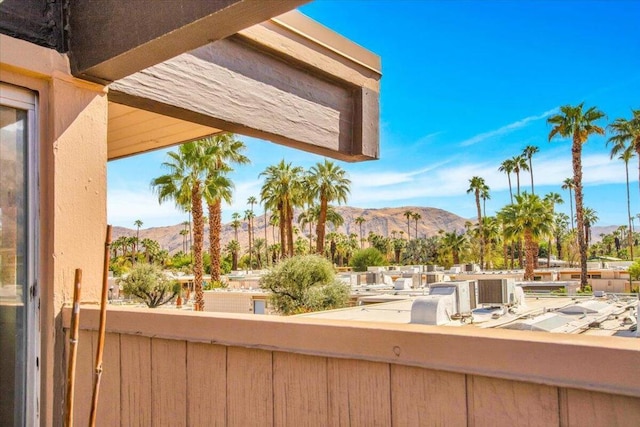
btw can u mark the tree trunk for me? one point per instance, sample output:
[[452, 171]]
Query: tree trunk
[[529, 247], [198, 237], [215, 225], [480, 231], [576, 155], [320, 227], [290, 229]]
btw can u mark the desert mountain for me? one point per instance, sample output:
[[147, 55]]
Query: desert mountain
[[381, 221]]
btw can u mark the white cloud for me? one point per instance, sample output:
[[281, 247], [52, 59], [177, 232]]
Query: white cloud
[[505, 129]]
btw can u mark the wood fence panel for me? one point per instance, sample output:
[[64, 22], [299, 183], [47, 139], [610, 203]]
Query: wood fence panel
[[421, 397], [492, 402], [135, 386], [588, 408], [300, 390], [109, 396], [206, 384], [359, 393], [83, 389], [169, 382], [249, 387]]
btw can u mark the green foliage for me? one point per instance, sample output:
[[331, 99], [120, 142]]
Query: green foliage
[[368, 257], [634, 270], [304, 283], [214, 284], [148, 282], [586, 291]]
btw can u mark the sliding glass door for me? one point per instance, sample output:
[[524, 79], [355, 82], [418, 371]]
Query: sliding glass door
[[19, 331]]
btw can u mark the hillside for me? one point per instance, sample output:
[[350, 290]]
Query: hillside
[[381, 221]]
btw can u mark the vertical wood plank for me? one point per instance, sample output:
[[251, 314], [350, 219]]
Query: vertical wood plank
[[421, 397], [169, 382], [109, 397], [359, 393], [249, 387], [601, 409], [206, 384], [84, 378], [300, 390], [135, 380], [514, 403]]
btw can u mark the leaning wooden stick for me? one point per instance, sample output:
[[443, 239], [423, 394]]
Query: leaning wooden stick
[[101, 330], [73, 347]]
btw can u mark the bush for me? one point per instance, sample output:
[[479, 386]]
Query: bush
[[148, 282], [304, 283], [214, 284], [364, 258], [634, 270]]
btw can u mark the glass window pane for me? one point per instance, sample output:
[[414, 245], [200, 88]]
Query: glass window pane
[[13, 266]]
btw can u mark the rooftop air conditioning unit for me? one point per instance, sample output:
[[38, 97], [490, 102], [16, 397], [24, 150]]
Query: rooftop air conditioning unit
[[496, 291], [463, 291]]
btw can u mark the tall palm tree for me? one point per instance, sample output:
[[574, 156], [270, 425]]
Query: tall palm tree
[[232, 248], [625, 156], [222, 151], [281, 191], [184, 233], [248, 216], [416, 217], [552, 199], [308, 218], [456, 243], [408, 214], [531, 219], [138, 223], [590, 218], [485, 195], [183, 184], [578, 124], [626, 133], [329, 183], [359, 221], [507, 167], [568, 184], [519, 164], [528, 153], [476, 185]]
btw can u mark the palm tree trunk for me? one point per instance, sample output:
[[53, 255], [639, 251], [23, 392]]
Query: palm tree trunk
[[198, 238], [626, 165], [290, 229], [571, 206], [480, 229], [576, 156], [529, 247], [320, 227], [510, 191], [215, 224]]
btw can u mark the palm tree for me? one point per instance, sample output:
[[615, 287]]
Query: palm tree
[[281, 191], [308, 218], [485, 195], [476, 186], [329, 183], [184, 233], [531, 219], [519, 164], [232, 248], [359, 221], [221, 151], [248, 216], [568, 184], [626, 133], [416, 217], [528, 153], [507, 167], [183, 184], [579, 125], [552, 199], [408, 214], [590, 218], [138, 223], [625, 156], [456, 243]]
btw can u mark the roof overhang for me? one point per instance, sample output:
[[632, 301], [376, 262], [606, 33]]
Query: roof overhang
[[288, 80]]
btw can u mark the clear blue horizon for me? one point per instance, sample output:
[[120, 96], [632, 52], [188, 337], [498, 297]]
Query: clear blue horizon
[[465, 85]]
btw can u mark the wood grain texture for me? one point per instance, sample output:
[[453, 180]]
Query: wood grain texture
[[588, 408], [206, 384], [169, 382], [359, 393], [135, 366], [421, 397], [249, 387], [299, 390], [85, 363], [493, 402], [109, 397]]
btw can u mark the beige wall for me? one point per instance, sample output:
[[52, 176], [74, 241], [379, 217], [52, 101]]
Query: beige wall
[[165, 367], [72, 133]]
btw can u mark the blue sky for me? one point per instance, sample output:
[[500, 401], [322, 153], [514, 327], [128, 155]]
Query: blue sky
[[466, 85]]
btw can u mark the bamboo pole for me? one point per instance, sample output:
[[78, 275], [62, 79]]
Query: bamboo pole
[[101, 330], [73, 347]]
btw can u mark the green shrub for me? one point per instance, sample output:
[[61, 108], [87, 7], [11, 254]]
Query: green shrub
[[304, 283], [148, 282], [214, 284], [369, 257]]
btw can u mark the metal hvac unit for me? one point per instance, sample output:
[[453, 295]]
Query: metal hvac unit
[[464, 290], [496, 291]]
